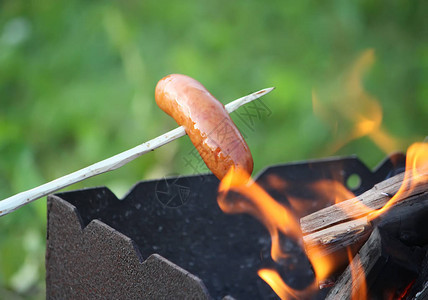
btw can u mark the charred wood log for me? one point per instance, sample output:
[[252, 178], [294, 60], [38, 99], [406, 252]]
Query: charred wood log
[[384, 268], [419, 290]]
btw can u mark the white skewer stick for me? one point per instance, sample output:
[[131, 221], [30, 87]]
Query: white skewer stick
[[10, 204]]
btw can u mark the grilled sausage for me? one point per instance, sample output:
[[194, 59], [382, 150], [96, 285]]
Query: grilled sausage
[[206, 122]]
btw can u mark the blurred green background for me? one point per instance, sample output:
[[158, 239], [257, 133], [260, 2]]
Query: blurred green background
[[77, 81]]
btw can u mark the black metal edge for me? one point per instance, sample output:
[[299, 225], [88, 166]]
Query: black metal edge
[[168, 177], [74, 222], [255, 177], [307, 162]]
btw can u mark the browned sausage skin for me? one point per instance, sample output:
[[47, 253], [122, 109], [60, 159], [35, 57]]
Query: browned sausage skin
[[206, 122]]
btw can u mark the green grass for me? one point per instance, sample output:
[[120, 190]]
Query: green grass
[[77, 81]]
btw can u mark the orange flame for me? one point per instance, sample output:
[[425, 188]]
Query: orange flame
[[250, 198], [335, 188], [359, 286], [323, 265], [275, 281], [354, 113], [416, 173], [277, 218]]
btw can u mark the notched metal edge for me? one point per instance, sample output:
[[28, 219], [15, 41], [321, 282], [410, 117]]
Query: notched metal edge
[[97, 226]]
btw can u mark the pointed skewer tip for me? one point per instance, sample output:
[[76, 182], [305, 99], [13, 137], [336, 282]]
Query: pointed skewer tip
[[265, 91]]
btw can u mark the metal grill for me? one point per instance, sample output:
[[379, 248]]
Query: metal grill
[[168, 238]]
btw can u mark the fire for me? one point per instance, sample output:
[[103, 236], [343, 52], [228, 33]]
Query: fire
[[275, 281], [416, 172], [353, 113], [328, 191], [359, 287], [357, 114], [257, 202], [332, 187], [238, 193]]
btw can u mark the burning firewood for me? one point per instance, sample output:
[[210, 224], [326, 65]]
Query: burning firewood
[[384, 265], [373, 199], [397, 207], [354, 232], [334, 239]]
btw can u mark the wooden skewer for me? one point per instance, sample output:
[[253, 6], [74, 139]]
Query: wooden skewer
[[12, 203]]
